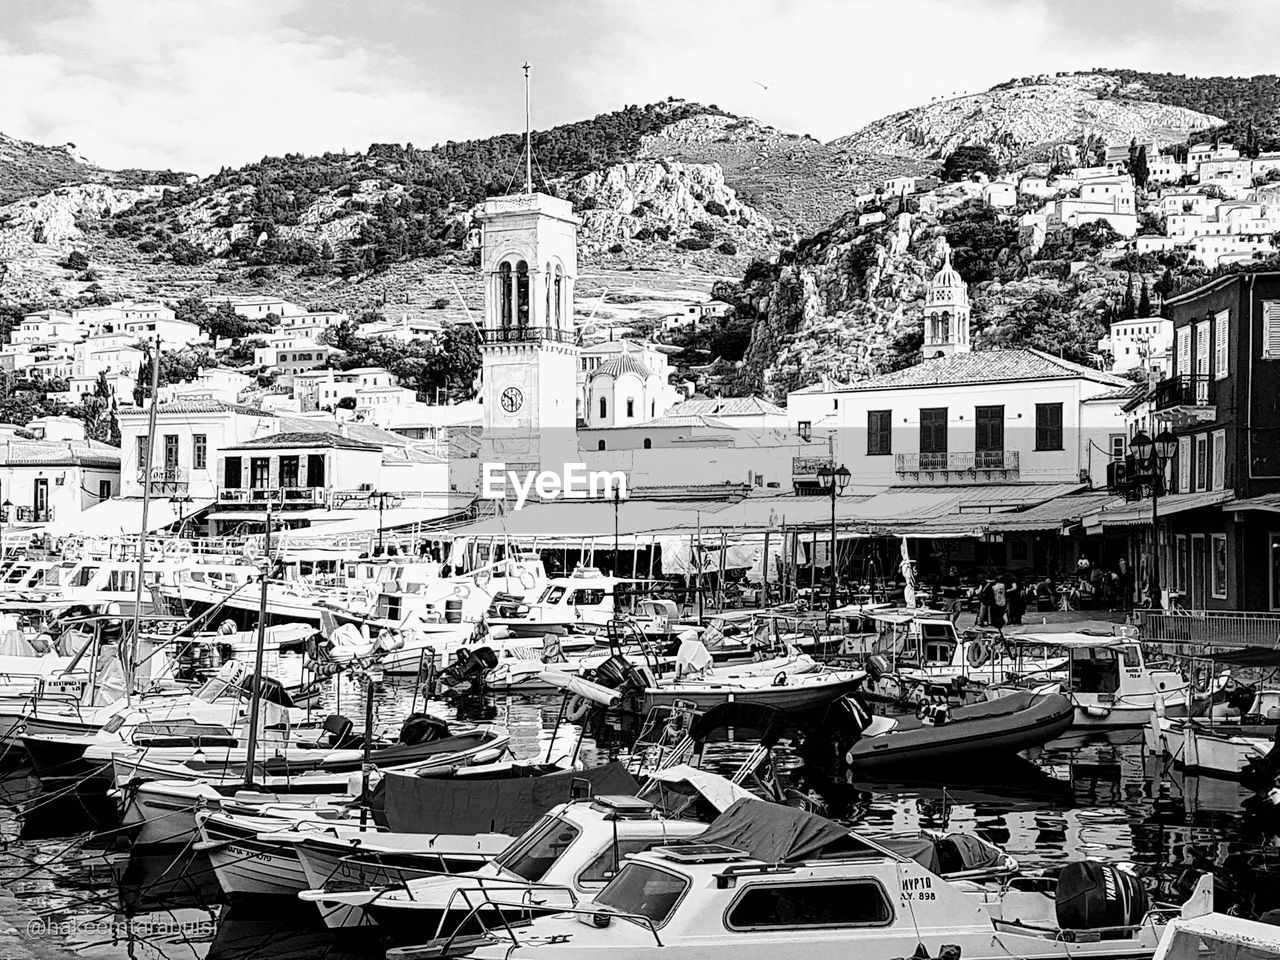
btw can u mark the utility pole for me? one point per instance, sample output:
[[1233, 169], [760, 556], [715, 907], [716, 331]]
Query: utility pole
[[131, 666]]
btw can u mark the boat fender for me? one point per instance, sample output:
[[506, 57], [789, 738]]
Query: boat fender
[[482, 578], [528, 580], [780, 680], [577, 708], [461, 591], [978, 653]]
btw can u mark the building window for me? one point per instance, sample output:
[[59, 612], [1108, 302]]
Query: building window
[[231, 473], [1221, 322], [1048, 426], [1219, 480], [879, 433], [1218, 565], [199, 452], [1271, 329], [933, 437], [559, 296], [1202, 461], [170, 452], [988, 429], [104, 489], [315, 470], [599, 444], [631, 408], [142, 451], [804, 427], [288, 471], [604, 408], [1183, 554], [259, 472], [1117, 445], [522, 293], [504, 297]]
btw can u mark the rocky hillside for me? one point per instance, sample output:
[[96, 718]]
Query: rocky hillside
[[1024, 119], [30, 169]]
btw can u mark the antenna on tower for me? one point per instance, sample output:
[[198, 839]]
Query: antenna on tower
[[528, 136]]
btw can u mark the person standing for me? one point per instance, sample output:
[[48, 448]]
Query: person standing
[[986, 599], [1125, 572], [999, 603], [1016, 599], [949, 590]]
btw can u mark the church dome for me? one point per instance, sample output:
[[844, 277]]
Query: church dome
[[620, 365], [948, 286]]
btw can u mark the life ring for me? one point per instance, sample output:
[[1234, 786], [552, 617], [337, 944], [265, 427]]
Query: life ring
[[461, 591], [578, 708], [781, 679], [527, 579], [978, 653]]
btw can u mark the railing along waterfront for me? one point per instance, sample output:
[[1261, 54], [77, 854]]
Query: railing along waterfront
[[1211, 628]]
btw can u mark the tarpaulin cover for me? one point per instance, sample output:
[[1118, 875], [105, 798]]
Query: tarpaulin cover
[[410, 804], [777, 834], [1248, 657], [949, 854], [769, 723]]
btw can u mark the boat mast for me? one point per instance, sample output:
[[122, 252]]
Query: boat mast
[[132, 664], [257, 655]]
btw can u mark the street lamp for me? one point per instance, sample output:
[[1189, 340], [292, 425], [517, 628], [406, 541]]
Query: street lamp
[[833, 481], [1151, 457], [181, 503]]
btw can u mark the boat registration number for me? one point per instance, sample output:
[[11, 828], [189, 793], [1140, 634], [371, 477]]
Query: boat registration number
[[918, 888]]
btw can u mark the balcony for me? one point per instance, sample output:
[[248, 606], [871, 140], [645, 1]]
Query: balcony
[[948, 467], [521, 334], [1187, 399], [34, 514], [277, 496]]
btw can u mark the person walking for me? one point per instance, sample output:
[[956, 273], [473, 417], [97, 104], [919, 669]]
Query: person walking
[[986, 600], [949, 585], [1125, 573]]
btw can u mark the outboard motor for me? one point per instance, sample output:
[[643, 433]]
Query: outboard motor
[[1092, 894], [877, 666], [842, 726], [422, 728], [469, 669], [618, 673]]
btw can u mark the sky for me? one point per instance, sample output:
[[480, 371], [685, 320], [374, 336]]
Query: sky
[[196, 85]]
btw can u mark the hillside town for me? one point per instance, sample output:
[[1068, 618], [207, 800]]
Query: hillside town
[[658, 534]]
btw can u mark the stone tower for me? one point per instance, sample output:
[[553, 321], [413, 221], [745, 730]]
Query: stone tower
[[946, 313], [528, 256]]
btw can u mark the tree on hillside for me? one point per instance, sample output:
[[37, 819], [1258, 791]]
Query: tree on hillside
[[98, 411], [1139, 168], [963, 162], [1144, 301], [1128, 307]]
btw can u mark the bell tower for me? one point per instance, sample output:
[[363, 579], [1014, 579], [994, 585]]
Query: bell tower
[[529, 261], [946, 313]]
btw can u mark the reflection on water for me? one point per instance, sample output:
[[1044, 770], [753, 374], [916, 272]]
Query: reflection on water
[[1087, 796]]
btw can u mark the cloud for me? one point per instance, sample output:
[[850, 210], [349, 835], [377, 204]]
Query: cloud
[[197, 86]]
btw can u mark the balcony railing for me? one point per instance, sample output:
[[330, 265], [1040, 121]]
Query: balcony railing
[[524, 334], [1186, 390], [300, 496], [35, 514], [981, 461], [1212, 628]]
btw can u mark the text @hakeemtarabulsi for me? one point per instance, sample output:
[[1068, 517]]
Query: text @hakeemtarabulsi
[[41, 928]]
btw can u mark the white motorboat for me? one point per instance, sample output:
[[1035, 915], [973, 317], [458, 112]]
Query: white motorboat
[[1194, 936], [766, 880]]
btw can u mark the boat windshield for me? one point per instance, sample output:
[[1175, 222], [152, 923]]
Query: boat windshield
[[641, 889], [531, 855]]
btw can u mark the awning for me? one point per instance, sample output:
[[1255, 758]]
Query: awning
[[1268, 502], [1053, 515], [1139, 512], [123, 517]]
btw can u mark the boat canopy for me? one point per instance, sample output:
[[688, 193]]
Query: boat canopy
[[768, 723], [1248, 657], [952, 853], [773, 833]]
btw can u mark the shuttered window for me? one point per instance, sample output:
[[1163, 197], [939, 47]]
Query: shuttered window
[[1271, 329], [1184, 464], [1184, 351], [1221, 323], [1219, 460], [1202, 461]]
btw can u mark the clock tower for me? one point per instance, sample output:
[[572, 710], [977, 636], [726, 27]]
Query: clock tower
[[529, 259]]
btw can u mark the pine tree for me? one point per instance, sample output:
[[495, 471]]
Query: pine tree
[[1144, 301], [1140, 169], [1128, 308]]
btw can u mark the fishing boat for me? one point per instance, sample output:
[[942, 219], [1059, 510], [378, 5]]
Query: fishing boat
[[1107, 679], [765, 879], [571, 853]]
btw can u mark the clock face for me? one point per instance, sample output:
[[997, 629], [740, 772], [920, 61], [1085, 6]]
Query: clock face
[[511, 399]]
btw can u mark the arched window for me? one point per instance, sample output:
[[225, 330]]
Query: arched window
[[547, 281], [559, 284], [604, 408], [653, 406], [504, 283], [648, 444], [600, 445], [522, 293], [631, 408]]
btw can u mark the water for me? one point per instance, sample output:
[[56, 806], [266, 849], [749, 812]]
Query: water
[[1087, 796]]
